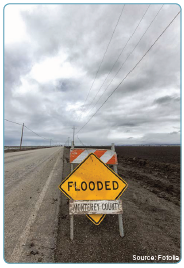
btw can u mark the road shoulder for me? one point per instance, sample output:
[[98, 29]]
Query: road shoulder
[[38, 239]]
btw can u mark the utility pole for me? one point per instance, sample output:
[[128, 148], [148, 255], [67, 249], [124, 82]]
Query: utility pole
[[68, 141], [73, 134], [21, 136], [50, 142]]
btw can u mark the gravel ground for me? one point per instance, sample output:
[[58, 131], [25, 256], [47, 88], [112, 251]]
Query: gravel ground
[[151, 216]]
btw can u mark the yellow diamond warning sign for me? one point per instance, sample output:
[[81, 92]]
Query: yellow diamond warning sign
[[93, 180]]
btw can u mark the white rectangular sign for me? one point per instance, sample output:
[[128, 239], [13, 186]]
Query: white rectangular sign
[[95, 207]]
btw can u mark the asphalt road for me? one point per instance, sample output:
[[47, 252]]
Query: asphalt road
[[31, 204]]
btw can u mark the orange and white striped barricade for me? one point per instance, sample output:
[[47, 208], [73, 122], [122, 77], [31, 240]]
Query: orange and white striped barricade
[[77, 155], [108, 156]]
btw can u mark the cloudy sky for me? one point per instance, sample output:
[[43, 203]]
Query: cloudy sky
[[62, 62]]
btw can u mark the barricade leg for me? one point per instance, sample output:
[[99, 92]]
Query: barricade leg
[[71, 227], [120, 220], [71, 217]]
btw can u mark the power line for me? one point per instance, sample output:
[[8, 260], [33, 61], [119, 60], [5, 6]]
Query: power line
[[130, 71], [127, 57], [13, 122], [81, 142], [86, 147], [121, 53], [29, 129], [105, 53], [37, 134]]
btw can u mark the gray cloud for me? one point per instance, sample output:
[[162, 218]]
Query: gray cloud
[[144, 109], [166, 100], [17, 63]]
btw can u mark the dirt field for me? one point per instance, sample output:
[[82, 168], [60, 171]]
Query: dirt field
[[151, 216]]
